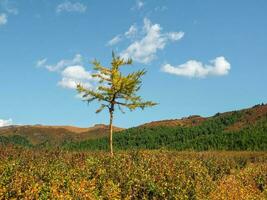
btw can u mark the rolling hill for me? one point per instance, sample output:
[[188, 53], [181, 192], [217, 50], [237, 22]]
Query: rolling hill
[[55, 135], [236, 130], [248, 117]]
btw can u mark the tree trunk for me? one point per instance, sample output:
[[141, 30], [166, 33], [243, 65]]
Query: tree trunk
[[111, 132]]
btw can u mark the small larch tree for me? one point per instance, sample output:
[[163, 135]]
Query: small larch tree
[[115, 90]]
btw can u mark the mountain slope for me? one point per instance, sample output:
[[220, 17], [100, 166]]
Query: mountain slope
[[248, 117], [237, 130], [55, 135]]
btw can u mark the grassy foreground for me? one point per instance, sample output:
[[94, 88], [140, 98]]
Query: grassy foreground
[[57, 174]]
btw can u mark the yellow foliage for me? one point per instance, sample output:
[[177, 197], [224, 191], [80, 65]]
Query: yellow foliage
[[45, 174]]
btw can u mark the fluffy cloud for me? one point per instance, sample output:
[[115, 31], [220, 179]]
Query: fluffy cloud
[[5, 122], [68, 6], [145, 49], [71, 71], [3, 19], [73, 75], [192, 68], [77, 60]]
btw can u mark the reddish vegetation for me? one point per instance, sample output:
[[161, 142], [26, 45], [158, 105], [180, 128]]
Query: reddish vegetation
[[249, 117], [193, 120]]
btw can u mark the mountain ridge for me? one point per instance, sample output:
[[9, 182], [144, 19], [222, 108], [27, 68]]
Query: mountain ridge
[[38, 134], [231, 121]]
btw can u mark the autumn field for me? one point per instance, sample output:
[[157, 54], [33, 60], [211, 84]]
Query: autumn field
[[159, 174], [220, 157]]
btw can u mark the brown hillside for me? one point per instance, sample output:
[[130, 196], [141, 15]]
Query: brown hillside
[[249, 117], [68, 128], [193, 120], [56, 134]]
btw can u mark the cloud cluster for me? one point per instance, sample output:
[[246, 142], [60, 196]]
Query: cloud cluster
[[192, 68], [5, 122], [150, 40], [71, 70], [144, 50], [68, 6]]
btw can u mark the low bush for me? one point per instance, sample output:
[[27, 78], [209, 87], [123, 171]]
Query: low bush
[[57, 174]]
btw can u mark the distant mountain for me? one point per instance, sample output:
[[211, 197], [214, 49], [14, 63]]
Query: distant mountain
[[236, 130], [55, 135]]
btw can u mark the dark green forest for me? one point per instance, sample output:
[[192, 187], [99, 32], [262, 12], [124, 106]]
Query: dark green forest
[[210, 135]]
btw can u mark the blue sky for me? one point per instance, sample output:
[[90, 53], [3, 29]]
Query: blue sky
[[202, 57]]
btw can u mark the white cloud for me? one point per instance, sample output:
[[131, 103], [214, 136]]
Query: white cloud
[[41, 62], [114, 40], [174, 36], [192, 68], [76, 72], [5, 122], [77, 60], [73, 75], [68, 6], [3, 19], [145, 49], [72, 72], [131, 32]]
